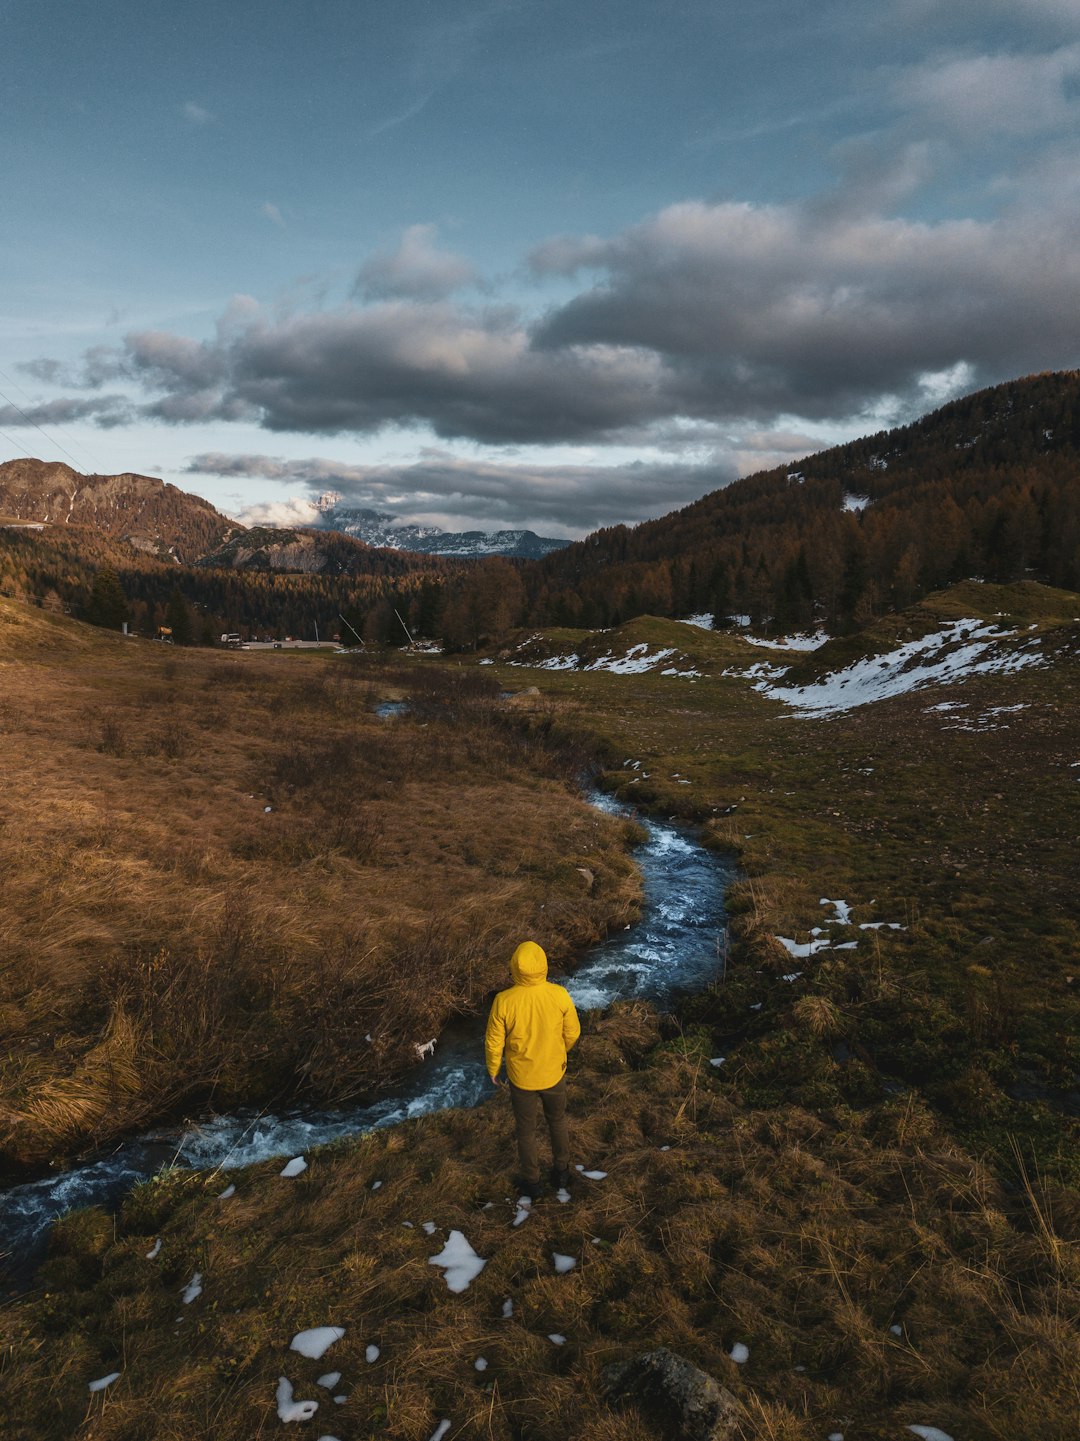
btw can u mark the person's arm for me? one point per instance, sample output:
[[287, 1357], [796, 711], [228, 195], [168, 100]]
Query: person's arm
[[571, 1026], [494, 1042]]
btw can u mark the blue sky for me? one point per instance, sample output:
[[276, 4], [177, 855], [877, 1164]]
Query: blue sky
[[521, 263]]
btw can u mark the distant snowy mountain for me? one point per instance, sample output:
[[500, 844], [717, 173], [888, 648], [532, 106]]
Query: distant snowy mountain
[[376, 528]]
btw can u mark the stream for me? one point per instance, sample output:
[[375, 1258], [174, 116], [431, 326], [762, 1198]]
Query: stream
[[673, 950]]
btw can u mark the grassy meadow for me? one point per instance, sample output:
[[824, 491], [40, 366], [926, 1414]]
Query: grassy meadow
[[221, 871], [876, 1193]]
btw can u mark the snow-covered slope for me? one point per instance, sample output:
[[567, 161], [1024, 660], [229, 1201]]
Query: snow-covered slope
[[959, 649]]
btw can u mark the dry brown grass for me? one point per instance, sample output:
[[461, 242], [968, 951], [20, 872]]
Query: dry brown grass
[[804, 1237], [169, 941]]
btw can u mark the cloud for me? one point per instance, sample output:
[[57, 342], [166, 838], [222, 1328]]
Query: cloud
[[465, 373], [272, 213], [415, 270], [771, 310], [566, 499], [977, 96], [296, 511], [711, 314], [105, 410], [196, 114]]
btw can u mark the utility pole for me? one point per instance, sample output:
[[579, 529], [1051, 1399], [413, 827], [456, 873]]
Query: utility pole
[[343, 621], [404, 627]]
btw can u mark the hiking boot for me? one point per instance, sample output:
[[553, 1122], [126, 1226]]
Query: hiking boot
[[560, 1180], [533, 1189]]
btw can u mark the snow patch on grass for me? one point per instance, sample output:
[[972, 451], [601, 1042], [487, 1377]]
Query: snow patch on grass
[[461, 1265], [315, 1343], [960, 649], [290, 1410]]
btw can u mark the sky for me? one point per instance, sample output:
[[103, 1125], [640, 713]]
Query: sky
[[528, 263]]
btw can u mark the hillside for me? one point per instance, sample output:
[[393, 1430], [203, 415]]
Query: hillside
[[149, 514], [988, 485]]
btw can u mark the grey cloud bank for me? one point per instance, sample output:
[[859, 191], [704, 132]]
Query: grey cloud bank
[[567, 500], [716, 312]]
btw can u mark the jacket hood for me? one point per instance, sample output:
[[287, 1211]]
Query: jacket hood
[[528, 964]]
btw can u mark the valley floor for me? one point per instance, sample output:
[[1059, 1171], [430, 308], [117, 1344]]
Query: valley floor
[[874, 1196]]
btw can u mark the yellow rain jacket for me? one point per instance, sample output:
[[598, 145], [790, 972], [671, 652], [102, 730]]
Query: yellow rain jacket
[[534, 1023]]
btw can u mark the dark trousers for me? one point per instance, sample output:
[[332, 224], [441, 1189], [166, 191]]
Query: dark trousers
[[527, 1106]]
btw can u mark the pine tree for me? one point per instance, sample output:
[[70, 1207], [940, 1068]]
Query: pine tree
[[108, 605]]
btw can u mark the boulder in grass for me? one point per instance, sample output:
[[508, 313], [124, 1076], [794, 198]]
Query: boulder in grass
[[683, 1402]]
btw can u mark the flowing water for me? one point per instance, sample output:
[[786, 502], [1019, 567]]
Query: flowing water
[[674, 949]]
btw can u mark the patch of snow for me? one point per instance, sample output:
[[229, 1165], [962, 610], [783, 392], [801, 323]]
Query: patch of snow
[[897, 1330], [329, 1381], [791, 976], [507, 1309], [958, 650], [267, 810], [881, 926], [562, 1195], [930, 1433], [461, 1265], [290, 1410], [740, 1353], [104, 1381], [315, 1343], [563, 1263], [800, 950], [557, 1339], [842, 909], [855, 502], [703, 621], [717, 1060], [371, 1354], [228, 1191], [294, 1167], [790, 642], [428, 1227], [487, 661], [193, 1289], [524, 1210], [636, 660], [592, 1175], [440, 1431], [154, 1249], [375, 1185]]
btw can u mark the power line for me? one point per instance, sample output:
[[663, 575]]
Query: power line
[[77, 444], [16, 444], [45, 433]]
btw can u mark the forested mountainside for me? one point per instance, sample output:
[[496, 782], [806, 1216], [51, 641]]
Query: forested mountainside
[[61, 567], [987, 485]]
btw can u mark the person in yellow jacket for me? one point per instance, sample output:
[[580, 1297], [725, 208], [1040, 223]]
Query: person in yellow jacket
[[532, 1025]]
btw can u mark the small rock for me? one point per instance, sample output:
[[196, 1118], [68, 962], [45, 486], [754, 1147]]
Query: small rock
[[687, 1403]]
